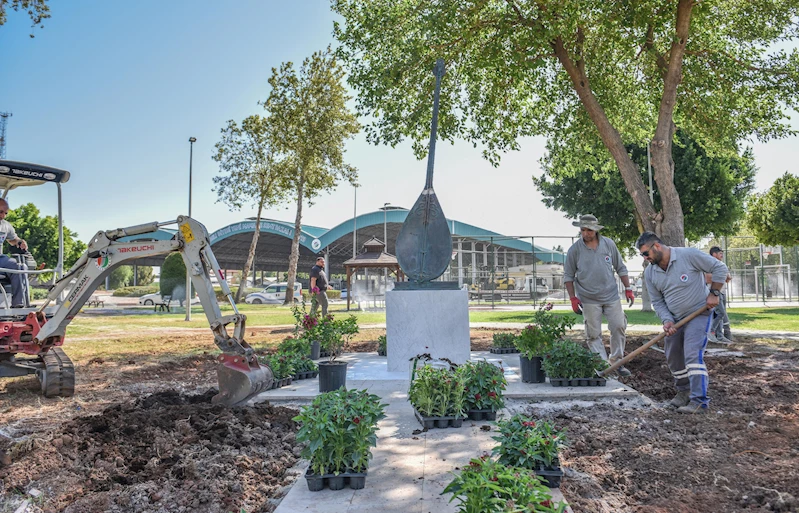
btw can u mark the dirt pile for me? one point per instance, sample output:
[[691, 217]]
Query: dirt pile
[[163, 453]]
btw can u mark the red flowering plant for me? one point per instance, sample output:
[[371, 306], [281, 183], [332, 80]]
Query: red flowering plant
[[527, 443], [339, 429], [484, 385], [488, 486]]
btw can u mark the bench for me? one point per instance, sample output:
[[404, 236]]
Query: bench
[[95, 301], [163, 305]]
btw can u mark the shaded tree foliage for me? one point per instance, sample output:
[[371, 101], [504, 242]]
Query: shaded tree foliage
[[774, 215], [713, 189]]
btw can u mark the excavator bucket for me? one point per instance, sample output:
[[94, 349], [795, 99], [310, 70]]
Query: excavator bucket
[[240, 378]]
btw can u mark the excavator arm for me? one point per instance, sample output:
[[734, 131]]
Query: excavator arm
[[239, 374]]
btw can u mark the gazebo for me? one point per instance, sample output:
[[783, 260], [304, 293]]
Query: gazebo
[[373, 256]]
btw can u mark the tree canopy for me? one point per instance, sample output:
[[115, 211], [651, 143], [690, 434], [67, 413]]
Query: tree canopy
[[41, 234], [38, 10], [773, 216], [579, 73], [310, 123], [713, 189]]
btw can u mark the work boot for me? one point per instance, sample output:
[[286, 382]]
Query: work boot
[[682, 399], [692, 408], [724, 340], [623, 372], [711, 337], [727, 334]]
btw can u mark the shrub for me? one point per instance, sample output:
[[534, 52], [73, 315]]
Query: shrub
[[340, 429], [281, 365], [291, 345], [122, 276], [504, 339], [486, 486], [536, 339], [570, 360], [438, 392], [173, 276], [135, 291], [382, 344], [37, 294], [525, 443], [330, 293], [484, 385]]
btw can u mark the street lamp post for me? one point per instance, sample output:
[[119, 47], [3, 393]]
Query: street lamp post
[[192, 140], [385, 233]]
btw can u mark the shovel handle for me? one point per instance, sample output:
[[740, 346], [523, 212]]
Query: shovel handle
[[649, 344]]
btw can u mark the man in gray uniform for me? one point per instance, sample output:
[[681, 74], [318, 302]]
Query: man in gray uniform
[[720, 329], [8, 234], [588, 276], [676, 283]]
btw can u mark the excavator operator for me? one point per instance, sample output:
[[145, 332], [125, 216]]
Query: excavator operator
[[7, 234]]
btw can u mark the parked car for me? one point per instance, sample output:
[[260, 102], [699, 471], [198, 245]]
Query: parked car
[[274, 294], [152, 299]]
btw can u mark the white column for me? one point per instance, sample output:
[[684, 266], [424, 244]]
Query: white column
[[460, 263]]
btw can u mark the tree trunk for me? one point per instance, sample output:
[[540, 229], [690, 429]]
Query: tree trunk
[[245, 273], [295, 244]]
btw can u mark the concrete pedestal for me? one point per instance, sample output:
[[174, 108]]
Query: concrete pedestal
[[426, 321]]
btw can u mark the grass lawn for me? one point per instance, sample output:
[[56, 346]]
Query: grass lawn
[[763, 318]]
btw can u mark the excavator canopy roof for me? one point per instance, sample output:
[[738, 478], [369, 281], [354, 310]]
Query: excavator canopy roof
[[23, 174]]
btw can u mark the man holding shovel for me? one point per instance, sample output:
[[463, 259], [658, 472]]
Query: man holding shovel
[[588, 276], [676, 283]]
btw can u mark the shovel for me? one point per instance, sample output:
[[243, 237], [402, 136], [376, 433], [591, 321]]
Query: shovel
[[424, 244], [612, 368]]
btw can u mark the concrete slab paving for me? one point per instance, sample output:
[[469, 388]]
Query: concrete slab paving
[[408, 471]]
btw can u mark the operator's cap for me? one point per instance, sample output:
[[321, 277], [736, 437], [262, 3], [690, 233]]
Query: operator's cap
[[588, 221]]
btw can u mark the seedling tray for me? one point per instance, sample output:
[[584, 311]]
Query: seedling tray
[[550, 475], [278, 383], [482, 414], [438, 422], [578, 382], [306, 375], [504, 350], [316, 482]]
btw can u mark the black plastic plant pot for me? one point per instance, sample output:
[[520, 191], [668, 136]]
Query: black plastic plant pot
[[578, 382], [316, 483], [316, 350], [357, 481], [532, 372], [381, 353], [482, 415], [332, 376], [551, 476], [336, 482], [438, 422], [503, 350]]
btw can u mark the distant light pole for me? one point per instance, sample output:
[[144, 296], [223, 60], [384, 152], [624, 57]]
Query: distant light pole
[[192, 140], [385, 232], [354, 220]]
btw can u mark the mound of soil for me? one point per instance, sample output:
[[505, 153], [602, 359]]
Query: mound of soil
[[166, 452], [741, 456]]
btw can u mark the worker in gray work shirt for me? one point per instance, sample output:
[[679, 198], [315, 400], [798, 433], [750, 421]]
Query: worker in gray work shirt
[[588, 276], [676, 284]]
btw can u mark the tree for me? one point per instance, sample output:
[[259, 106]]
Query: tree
[[583, 73], [41, 234], [144, 275], [173, 277], [122, 276], [252, 174], [310, 124], [38, 10], [774, 215], [713, 189]]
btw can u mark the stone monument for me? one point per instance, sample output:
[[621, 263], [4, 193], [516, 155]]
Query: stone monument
[[422, 315]]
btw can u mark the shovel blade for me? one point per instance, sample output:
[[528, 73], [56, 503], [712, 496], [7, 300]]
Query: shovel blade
[[239, 379]]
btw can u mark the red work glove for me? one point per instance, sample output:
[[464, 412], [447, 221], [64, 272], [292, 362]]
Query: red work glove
[[630, 297], [577, 305]]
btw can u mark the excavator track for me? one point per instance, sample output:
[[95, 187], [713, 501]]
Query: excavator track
[[58, 376]]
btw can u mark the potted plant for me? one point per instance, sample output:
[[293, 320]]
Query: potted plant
[[488, 486], [533, 445], [438, 396], [504, 343], [382, 345], [304, 367], [282, 368], [339, 429], [536, 339], [334, 336], [571, 364], [484, 385]]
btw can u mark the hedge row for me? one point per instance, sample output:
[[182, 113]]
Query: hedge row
[[136, 291]]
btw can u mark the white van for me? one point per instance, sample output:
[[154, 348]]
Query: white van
[[274, 294]]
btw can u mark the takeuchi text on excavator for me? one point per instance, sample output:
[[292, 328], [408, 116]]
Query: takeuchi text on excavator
[[31, 339]]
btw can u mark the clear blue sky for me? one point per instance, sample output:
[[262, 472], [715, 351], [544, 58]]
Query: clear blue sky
[[112, 90]]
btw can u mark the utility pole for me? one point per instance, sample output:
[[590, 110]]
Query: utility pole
[[3, 121]]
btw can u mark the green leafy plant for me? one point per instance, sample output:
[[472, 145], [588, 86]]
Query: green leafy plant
[[570, 360], [292, 345], [281, 365], [484, 385], [526, 443], [382, 344], [504, 339], [438, 392], [486, 486], [340, 429], [536, 339]]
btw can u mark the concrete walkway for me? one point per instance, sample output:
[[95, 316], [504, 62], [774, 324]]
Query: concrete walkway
[[409, 470]]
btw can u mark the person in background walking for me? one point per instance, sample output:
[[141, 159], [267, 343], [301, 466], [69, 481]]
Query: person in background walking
[[588, 276], [720, 329], [676, 283], [319, 286]]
